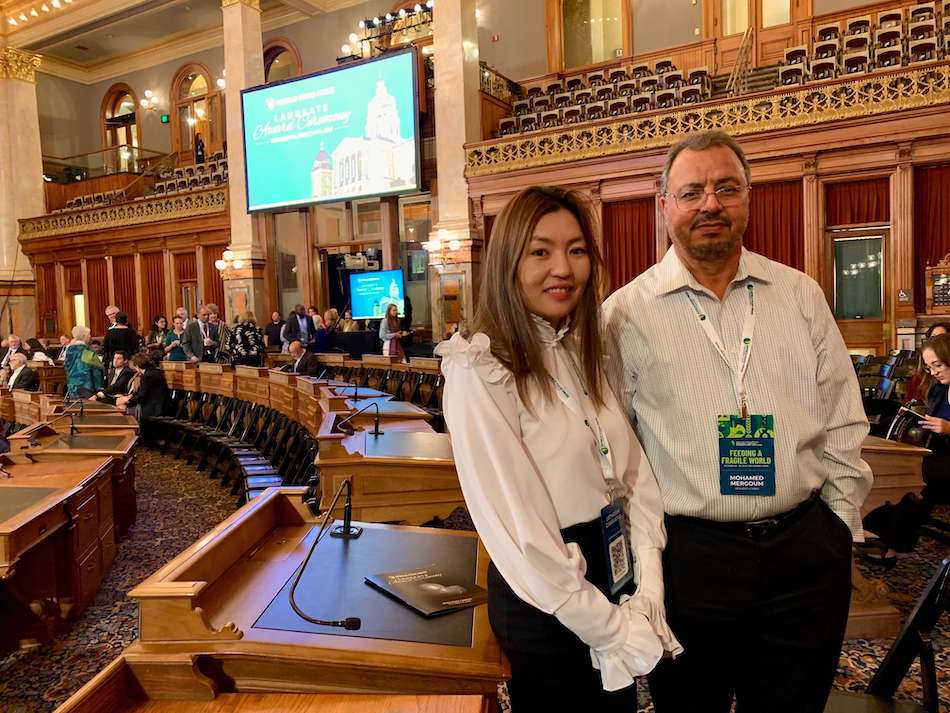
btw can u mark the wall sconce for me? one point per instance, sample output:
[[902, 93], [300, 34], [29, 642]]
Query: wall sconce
[[437, 246], [221, 83], [228, 262], [149, 102]]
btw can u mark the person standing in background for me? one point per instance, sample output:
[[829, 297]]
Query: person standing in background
[[273, 329], [199, 149]]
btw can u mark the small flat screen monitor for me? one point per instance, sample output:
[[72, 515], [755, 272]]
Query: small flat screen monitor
[[372, 292], [346, 133]]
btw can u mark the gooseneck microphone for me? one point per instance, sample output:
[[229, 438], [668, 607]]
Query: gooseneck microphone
[[375, 431], [350, 623]]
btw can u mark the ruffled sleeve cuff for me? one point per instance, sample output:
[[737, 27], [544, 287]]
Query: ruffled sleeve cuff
[[459, 352], [635, 655], [649, 599]]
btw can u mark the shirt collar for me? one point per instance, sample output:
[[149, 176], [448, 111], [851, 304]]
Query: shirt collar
[[546, 332], [673, 275]]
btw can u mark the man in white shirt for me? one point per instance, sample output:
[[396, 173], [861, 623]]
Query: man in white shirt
[[111, 312], [22, 377], [744, 397], [14, 346]]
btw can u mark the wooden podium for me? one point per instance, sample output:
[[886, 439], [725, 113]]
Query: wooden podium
[[205, 628]]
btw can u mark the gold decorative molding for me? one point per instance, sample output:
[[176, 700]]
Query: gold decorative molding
[[152, 210], [17, 64], [253, 4], [814, 104]]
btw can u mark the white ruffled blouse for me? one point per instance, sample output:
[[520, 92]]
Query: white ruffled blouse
[[527, 476]]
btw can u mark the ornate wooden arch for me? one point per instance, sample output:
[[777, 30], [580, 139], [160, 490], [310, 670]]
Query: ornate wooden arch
[[108, 102], [276, 46]]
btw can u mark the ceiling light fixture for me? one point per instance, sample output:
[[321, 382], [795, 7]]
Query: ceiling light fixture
[[23, 17], [34, 13], [12, 21], [44, 7], [57, 4]]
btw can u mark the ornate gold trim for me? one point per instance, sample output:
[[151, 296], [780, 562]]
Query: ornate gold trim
[[17, 64], [810, 105], [154, 210], [253, 4]]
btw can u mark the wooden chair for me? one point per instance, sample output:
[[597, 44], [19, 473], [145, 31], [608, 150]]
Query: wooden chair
[[924, 50], [649, 84], [829, 31], [617, 75], [550, 119], [797, 55], [888, 57], [604, 92], [858, 25], [521, 107], [573, 84], [573, 115], [791, 74], [563, 100], [662, 66], [618, 107], [889, 37], [642, 102], [666, 99], [507, 126], [825, 68], [923, 11], [553, 88], [596, 110], [583, 96], [856, 62], [912, 643], [700, 77], [691, 94], [595, 79], [638, 71], [827, 49]]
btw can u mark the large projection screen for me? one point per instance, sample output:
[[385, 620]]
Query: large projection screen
[[349, 132]]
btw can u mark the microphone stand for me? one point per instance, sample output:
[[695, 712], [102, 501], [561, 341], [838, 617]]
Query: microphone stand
[[347, 531], [351, 623], [375, 431], [72, 422]]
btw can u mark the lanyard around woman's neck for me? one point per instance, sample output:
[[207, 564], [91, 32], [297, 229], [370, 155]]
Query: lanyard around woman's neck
[[745, 352]]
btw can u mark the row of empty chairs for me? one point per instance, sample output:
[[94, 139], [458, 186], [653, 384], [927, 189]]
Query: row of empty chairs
[[606, 93], [203, 175], [94, 200], [899, 37]]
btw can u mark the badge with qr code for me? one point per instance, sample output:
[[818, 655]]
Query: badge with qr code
[[619, 556]]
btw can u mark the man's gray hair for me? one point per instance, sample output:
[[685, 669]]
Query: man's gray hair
[[18, 357], [81, 333], [701, 142]]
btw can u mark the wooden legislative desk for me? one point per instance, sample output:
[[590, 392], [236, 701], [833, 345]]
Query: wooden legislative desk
[[7, 412], [180, 374], [216, 620], [897, 471], [52, 377], [56, 541], [117, 688], [282, 392], [253, 384], [91, 421], [43, 444], [216, 378], [398, 476]]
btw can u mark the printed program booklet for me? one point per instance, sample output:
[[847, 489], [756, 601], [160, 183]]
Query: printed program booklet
[[428, 590]]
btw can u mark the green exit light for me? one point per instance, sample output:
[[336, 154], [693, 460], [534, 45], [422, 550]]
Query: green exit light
[[164, 118]]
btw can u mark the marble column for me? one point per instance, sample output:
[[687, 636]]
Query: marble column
[[21, 186], [244, 283], [457, 121]]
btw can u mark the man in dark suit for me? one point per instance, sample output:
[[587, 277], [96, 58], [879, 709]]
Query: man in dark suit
[[117, 382], [302, 325], [22, 376], [14, 346], [304, 362], [197, 340]]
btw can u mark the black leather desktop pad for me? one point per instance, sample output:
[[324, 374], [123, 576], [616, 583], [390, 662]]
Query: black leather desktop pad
[[13, 501], [333, 587]]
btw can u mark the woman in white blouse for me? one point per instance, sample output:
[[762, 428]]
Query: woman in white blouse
[[542, 449]]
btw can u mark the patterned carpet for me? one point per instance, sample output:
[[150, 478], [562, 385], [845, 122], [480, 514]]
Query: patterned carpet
[[178, 504]]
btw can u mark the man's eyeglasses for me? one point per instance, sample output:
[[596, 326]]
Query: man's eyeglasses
[[726, 196]]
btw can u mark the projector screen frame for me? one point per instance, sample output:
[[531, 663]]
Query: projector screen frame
[[417, 138], [358, 273]]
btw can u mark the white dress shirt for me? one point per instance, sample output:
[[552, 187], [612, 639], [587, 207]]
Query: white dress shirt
[[526, 476], [13, 377], [674, 383]]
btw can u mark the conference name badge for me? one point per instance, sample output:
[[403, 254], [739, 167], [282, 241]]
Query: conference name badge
[[747, 454], [617, 549]]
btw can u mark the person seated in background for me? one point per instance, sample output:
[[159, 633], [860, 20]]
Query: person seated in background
[[22, 376], [921, 381], [14, 346], [173, 349], [148, 399], [272, 331], [34, 345], [117, 382], [120, 337], [247, 344], [331, 319], [155, 340], [349, 324], [83, 366], [303, 361]]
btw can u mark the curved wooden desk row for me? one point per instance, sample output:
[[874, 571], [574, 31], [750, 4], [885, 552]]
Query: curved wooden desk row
[[205, 635], [405, 475]]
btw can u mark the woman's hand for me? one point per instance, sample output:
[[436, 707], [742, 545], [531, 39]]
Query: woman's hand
[[938, 425]]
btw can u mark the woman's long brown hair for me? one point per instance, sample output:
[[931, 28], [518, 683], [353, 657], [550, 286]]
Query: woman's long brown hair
[[941, 347], [502, 313]]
